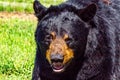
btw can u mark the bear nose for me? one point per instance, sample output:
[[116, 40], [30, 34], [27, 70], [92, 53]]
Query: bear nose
[[57, 57]]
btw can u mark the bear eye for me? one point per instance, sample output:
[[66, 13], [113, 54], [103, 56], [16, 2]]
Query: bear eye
[[67, 39], [50, 37]]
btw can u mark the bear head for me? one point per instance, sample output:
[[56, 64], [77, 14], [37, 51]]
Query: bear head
[[62, 33]]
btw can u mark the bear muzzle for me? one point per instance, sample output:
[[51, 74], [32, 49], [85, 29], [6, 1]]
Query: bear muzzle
[[57, 62], [59, 55]]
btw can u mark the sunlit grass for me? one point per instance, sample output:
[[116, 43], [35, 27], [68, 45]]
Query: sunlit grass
[[17, 49], [24, 5]]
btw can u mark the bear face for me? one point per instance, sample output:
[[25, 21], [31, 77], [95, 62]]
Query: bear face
[[62, 33], [62, 39]]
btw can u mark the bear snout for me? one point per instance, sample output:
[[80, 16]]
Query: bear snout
[[56, 57]]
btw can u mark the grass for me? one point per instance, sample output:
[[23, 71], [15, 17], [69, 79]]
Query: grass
[[28, 1], [16, 7], [17, 49], [31, 1], [23, 5]]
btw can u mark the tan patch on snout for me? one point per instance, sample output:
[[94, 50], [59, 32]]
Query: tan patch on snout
[[58, 46]]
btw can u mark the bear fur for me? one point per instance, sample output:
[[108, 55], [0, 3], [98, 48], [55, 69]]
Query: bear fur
[[94, 31]]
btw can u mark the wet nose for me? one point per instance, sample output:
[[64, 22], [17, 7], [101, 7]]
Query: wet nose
[[57, 57]]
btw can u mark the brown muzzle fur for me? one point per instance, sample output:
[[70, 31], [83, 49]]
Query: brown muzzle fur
[[59, 47]]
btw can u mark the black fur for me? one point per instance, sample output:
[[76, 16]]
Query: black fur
[[94, 31]]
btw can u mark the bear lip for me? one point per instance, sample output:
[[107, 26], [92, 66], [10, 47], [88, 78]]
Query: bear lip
[[57, 66]]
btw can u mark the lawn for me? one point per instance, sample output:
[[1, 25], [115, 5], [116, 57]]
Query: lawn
[[17, 48], [24, 5]]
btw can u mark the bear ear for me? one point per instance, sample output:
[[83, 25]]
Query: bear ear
[[88, 13], [38, 8]]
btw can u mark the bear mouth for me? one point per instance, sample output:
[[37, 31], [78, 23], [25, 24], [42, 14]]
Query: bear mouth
[[57, 65]]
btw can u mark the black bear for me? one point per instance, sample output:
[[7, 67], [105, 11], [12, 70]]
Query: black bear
[[77, 40]]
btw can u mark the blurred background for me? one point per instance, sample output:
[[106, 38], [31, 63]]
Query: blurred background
[[17, 44]]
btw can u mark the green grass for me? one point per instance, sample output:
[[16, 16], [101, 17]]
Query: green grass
[[17, 49], [28, 1], [16, 7], [24, 5], [31, 1]]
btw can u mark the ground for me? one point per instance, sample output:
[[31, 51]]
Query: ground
[[17, 15], [16, 45]]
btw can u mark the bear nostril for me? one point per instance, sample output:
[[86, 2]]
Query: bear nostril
[[57, 58]]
